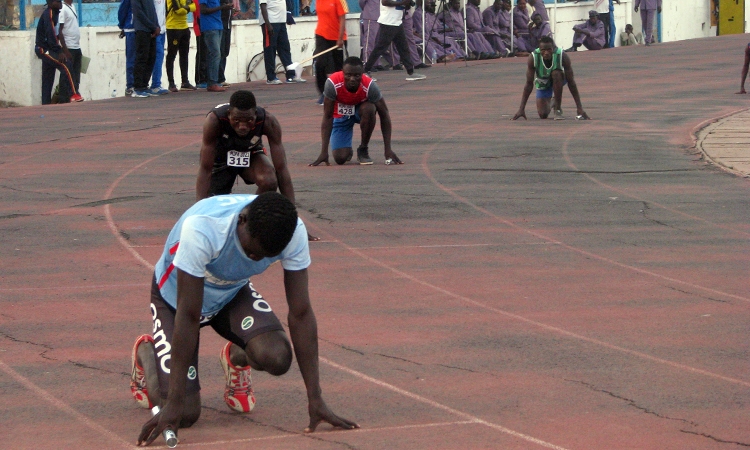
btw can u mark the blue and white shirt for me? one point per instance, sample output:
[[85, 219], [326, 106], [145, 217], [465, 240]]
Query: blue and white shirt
[[204, 243]]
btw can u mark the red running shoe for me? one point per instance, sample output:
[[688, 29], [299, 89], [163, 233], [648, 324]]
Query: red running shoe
[[138, 375], [238, 393]]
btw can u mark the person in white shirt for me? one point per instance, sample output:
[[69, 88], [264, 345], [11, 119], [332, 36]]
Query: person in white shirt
[[392, 31], [70, 40], [272, 22]]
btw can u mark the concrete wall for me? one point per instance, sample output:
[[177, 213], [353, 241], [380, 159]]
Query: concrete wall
[[20, 69]]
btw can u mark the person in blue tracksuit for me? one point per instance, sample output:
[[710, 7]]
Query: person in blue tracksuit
[[125, 23]]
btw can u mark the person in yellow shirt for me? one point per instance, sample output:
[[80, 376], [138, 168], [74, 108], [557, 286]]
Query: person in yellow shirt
[[178, 40]]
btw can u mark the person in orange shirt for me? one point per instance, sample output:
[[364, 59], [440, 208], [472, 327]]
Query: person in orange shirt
[[330, 32]]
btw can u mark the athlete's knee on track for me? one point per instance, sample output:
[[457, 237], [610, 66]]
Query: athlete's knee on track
[[275, 358], [266, 180], [342, 155]]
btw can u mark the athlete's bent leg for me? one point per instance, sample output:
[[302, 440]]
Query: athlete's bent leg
[[262, 173], [191, 411], [558, 81], [342, 155], [270, 352], [367, 112], [543, 107]]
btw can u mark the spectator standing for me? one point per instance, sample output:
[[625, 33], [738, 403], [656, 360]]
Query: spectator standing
[[369, 26], [275, 40], [70, 41], [649, 9], [125, 23], [392, 31], [211, 30], [226, 40], [146, 26], [201, 71], [178, 41], [161, 16], [48, 49], [330, 32]]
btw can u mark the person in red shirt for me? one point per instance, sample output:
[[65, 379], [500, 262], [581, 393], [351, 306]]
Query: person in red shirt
[[330, 32], [353, 97]]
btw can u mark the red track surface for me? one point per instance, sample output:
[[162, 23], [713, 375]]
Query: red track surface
[[515, 285]]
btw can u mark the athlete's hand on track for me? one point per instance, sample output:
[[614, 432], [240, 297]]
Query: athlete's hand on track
[[166, 418], [392, 157], [520, 114], [310, 237], [319, 412], [323, 158]]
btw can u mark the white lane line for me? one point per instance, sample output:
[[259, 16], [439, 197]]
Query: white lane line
[[78, 287], [437, 405], [324, 435], [125, 244], [109, 436]]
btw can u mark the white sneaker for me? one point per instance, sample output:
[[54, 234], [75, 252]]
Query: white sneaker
[[415, 77], [274, 81]]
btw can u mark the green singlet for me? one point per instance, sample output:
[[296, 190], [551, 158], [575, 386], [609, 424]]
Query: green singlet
[[543, 78]]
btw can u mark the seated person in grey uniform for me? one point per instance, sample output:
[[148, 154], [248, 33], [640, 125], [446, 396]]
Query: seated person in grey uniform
[[538, 28], [549, 69], [233, 146], [352, 97], [628, 37], [590, 33]]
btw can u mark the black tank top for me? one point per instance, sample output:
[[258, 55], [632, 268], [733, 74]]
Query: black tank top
[[229, 140]]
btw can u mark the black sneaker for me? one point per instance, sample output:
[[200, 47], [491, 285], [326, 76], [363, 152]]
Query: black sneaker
[[363, 156]]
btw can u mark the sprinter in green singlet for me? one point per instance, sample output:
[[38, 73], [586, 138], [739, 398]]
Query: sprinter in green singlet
[[549, 69]]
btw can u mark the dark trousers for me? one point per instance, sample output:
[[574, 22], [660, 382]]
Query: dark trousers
[[279, 43], [604, 17], [201, 68], [74, 68], [178, 41], [226, 43], [388, 34], [327, 64], [50, 65], [145, 56]]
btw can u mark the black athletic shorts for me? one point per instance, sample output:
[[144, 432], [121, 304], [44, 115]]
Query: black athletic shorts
[[246, 316], [223, 176]]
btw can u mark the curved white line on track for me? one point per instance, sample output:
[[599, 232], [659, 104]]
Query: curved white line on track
[[124, 243], [109, 438], [428, 173], [108, 212], [594, 180]]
